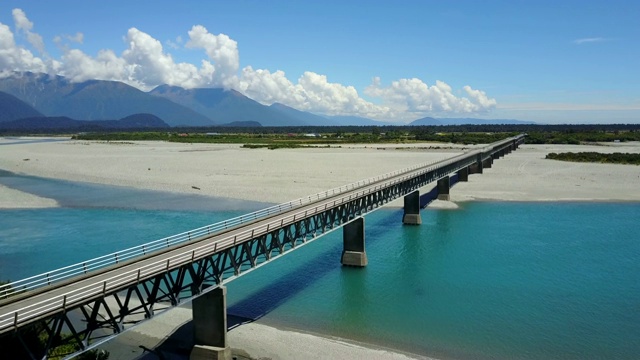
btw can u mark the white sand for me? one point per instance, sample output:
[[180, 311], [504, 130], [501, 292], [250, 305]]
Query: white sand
[[525, 175], [252, 340], [14, 199], [274, 176], [286, 174], [281, 175]]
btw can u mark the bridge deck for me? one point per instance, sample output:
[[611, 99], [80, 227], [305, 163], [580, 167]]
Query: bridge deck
[[45, 302]]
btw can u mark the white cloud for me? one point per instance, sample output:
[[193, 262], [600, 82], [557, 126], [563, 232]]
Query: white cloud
[[174, 44], [589, 40], [152, 66], [221, 49], [23, 24], [78, 37], [415, 96], [313, 92], [78, 66], [17, 58], [145, 63]]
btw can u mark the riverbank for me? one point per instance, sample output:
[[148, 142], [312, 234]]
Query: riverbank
[[170, 335], [220, 170], [277, 176]]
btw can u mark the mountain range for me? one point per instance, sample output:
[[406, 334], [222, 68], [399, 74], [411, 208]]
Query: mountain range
[[136, 121], [42, 96]]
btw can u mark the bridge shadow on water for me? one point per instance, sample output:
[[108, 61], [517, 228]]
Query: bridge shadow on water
[[259, 303], [271, 295]]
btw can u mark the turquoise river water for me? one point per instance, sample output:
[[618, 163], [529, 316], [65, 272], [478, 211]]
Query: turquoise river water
[[490, 280]]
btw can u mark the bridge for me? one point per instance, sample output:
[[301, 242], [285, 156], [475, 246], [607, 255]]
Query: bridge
[[88, 303]]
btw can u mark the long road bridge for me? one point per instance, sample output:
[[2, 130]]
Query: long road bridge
[[88, 303]]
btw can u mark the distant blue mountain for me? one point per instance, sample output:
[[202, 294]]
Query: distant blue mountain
[[306, 117], [357, 121], [225, 106], [135, 121], [427, 121], [12, 108], [37, 95], [468, 121], [94, 99]]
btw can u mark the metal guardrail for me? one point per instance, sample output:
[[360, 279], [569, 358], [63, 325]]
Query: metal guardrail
[[14, 318], [81, 268], [112, 283]]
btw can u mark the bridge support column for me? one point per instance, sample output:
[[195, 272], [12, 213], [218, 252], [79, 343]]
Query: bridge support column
[[475, 168], [412, 209], [463, 174], [354, 253], [210, 326], [487, 163], [444, 185]]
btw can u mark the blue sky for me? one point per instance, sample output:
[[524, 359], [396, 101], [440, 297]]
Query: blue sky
[[547, 61]]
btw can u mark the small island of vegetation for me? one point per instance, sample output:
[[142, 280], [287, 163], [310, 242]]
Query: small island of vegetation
[[595, 157]]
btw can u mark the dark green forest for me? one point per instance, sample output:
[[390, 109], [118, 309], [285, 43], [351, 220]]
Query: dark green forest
[[594, 157]]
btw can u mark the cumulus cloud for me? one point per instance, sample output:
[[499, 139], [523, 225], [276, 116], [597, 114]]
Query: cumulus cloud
[[78, 66], [145, 63], [415, 96], [221, 49], [17, 58], [23, 24], [152, 66], [312, 92]]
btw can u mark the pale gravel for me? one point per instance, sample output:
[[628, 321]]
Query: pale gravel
[[525, 175], [14, 199], [273, 176]]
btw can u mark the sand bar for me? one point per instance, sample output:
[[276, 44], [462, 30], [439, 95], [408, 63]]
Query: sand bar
[[277, 176], [14, 199], [273, 176]]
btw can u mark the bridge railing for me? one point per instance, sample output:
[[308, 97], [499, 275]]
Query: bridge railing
[[14, 318], [81, 268]]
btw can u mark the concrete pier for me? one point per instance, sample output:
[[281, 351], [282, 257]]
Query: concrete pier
[[353, 253], [463, 174], [444, 185], [210, 326], [475, 168], [412, 209], [487, 163]]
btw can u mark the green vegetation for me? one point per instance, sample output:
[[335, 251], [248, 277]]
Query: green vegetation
[[291, 137], [35, 338], [578, 137], [615, 158], [276, 140]]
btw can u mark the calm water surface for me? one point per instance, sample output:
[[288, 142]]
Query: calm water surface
[[491, 280]]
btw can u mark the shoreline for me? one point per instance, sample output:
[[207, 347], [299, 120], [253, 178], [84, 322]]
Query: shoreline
[[170, 334], [278, 176]]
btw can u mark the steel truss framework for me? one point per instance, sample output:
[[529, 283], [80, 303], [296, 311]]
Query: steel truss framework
[[100, 318]]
